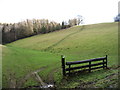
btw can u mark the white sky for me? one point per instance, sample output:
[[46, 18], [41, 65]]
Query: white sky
[[94, 11]]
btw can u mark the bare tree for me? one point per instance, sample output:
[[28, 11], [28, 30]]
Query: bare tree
[[80, 19]]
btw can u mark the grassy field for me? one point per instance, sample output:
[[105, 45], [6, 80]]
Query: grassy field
[[76, 43]]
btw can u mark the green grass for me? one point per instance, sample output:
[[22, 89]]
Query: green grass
[[76, 43], [96, 79], [20, 62]]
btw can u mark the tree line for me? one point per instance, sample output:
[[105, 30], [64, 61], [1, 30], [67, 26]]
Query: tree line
[[27, 28]]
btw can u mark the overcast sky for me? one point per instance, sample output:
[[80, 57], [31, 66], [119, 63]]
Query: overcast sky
[[94, 11]]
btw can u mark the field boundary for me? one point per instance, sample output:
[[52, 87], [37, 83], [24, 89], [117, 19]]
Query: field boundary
[[88, 67]]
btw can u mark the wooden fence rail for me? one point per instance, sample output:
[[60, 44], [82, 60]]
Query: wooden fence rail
[[89, 65]]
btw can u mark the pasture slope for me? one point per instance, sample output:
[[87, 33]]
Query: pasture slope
[[44, 51]]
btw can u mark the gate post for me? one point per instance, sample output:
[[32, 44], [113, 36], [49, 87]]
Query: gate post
[[63, 65]]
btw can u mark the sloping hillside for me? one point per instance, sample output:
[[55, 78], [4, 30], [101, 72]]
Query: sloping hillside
[[76, 43]]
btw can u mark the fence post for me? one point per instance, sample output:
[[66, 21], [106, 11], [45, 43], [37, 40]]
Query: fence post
[[106, 61], [90, 66], [103, 64], [69, 69], [63, 65]]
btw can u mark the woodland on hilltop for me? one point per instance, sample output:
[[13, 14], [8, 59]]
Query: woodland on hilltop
[[27, 28]]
